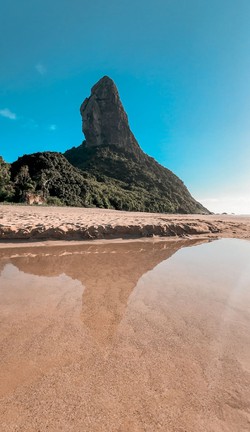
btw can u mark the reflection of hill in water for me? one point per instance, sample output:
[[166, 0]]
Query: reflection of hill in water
[[109, 273]]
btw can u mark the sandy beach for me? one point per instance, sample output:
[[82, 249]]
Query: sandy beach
[[114, 334], [71, 223]]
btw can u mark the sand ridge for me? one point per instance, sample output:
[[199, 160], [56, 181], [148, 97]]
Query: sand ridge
[[73, 223]]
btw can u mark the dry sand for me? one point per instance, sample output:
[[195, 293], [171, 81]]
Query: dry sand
[[68, 223]]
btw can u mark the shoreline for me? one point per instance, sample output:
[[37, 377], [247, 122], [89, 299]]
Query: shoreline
[[32, 225], [115, 241]]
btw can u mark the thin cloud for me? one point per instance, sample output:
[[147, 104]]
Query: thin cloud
[[8, 114], [41, 69], [228, 204], [30, 124], [52, 127]]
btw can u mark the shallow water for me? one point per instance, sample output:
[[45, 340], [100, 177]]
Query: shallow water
[[138, 336]]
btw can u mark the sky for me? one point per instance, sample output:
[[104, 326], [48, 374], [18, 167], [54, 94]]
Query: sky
[[182, 69]]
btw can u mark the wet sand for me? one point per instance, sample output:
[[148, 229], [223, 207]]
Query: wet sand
[[136, 336], [68, 223]]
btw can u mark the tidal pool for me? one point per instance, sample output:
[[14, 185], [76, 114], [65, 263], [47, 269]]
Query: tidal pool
[[133, 336]]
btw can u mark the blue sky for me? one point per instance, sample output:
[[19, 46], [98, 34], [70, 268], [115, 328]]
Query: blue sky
[[182, 68]]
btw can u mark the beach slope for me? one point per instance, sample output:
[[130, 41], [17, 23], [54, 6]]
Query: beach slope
[[34, 223]]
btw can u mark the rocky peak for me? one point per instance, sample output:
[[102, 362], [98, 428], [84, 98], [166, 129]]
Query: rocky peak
[[104, 120]]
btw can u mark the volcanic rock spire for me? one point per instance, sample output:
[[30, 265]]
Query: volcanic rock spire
[[104, 120]]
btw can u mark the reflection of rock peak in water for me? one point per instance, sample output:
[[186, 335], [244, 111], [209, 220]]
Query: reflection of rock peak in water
[[109, 273]]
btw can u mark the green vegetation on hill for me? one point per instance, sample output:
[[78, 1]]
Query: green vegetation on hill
[[51, 177], [148, 185], [103, 177]]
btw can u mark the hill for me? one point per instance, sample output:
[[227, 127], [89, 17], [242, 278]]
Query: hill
[[111, 150], [108, 170]]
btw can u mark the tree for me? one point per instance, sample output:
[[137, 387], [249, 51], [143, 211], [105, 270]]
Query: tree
[[6, 186], [43, 182], [23, 183]]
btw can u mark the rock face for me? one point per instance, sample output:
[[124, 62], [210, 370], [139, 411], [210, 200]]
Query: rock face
[[104, 121]]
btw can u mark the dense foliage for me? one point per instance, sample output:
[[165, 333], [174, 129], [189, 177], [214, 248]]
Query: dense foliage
[[51, 176], [150, 186], [102, 177], [6, 186]]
